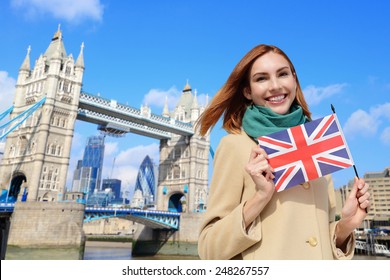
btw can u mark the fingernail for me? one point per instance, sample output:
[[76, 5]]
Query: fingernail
[[360, 186]]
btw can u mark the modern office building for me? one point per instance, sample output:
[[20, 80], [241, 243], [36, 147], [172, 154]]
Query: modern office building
[[115, 186], [379, 212], [87, 176], [145, 185]]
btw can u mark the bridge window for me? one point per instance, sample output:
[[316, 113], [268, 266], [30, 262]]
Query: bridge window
[[32, 148], [12, 151], [177, 153], [58, 150], [22, 146], [61, 86], [52, 149], [67, 70], [176, 172]]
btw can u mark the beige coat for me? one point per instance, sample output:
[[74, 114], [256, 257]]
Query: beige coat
[[297, 223]]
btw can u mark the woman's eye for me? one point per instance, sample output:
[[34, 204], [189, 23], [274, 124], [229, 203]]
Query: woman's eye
[[282, 74], [260, 79]]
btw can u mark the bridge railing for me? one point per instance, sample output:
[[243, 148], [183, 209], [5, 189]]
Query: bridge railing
[[164, 219], [133, 111]]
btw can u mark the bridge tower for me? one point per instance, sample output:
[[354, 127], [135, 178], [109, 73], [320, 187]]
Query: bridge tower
[[183, 168], [36, 154]]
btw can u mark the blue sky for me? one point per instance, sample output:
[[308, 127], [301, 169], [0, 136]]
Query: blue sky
[[138, 52]]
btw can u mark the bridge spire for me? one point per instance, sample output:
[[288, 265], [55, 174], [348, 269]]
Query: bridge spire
[[80, 59], [165, 110], [26, 62]]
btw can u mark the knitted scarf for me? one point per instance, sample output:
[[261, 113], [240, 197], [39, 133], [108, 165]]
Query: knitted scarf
[[259, 121]]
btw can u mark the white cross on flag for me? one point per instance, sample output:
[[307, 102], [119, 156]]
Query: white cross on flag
[[306, 152]]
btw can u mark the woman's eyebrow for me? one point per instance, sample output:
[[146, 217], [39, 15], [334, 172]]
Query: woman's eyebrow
[[266, 73]]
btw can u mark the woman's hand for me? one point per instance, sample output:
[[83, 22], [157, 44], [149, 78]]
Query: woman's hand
[[354, 210], [262, 174], [260, 171]]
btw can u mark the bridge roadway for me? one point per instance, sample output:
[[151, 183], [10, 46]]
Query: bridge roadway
[[120, 119], [151, 218]]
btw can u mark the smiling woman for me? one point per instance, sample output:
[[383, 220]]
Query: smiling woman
[[262, 95]]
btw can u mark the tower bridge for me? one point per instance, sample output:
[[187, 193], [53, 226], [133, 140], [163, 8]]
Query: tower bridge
[[37, 150], [120, 118]]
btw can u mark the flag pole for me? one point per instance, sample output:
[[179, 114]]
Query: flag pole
[[354, 166]]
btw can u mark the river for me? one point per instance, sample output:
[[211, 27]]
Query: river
[[95, 250]]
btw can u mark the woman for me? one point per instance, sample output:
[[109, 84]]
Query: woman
[[246, 218]]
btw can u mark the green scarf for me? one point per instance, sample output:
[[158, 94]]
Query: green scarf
[[259, 120]]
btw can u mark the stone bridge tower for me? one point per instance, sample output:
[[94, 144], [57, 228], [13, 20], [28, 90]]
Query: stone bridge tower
[[183, 170], [36, 155]]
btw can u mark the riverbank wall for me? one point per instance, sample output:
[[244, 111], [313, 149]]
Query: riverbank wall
[[47, 224], [149, 242]]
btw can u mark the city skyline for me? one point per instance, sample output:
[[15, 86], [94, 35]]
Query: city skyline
[[141, 54]]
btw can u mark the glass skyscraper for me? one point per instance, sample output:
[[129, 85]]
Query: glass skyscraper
[[87, 176], [146, 182]]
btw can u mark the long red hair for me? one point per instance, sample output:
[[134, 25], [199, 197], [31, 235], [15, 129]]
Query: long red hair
[[230, 100]]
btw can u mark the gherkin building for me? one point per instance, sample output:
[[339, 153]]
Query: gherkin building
[[146, 181]]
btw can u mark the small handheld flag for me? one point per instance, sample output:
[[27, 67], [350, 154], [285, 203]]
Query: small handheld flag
[[306, 152], [354, 166]]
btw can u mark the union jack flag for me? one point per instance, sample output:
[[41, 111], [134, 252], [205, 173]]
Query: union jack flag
[[306, 152]]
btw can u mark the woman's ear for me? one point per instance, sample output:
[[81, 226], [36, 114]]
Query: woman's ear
[[247, 93]]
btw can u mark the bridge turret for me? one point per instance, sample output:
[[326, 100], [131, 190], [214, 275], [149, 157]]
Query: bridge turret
[[38, 152], [166, 110], [194, 108], [24, 73]]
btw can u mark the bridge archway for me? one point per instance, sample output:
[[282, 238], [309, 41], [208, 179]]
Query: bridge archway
[[177, 202], [16, 184]]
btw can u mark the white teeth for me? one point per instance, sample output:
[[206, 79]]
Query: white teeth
[[276, 98]]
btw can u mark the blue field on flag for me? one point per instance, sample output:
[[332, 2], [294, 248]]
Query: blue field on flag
[[306, 152]]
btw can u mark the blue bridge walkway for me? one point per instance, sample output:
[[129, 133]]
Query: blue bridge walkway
[[151, 218]]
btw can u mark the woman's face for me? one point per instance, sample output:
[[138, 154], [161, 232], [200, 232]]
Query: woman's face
[[271, 83]]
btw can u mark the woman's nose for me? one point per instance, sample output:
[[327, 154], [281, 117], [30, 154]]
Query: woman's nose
[[275, 84]]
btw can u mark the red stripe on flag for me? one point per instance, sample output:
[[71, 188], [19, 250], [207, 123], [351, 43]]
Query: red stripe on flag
[[324, 127], [284, 177], [274, 142], [305, 152], [334, 162]]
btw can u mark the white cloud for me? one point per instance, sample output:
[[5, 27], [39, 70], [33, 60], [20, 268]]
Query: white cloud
[[110, 148], [69, 10], [7, 91], [360, 122], [127, 162], [385, 136], [382, 110], [156, 97], [314, 95], [366, 124]]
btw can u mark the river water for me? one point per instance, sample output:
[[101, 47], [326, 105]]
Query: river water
[[94, 250], [105, 251]]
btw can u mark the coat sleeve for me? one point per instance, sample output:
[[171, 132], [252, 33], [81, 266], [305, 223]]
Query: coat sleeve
[[222, 234], [350, 247]]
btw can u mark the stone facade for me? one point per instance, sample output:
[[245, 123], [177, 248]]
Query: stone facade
[[36, 154], [47, 224], [183, 168]]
